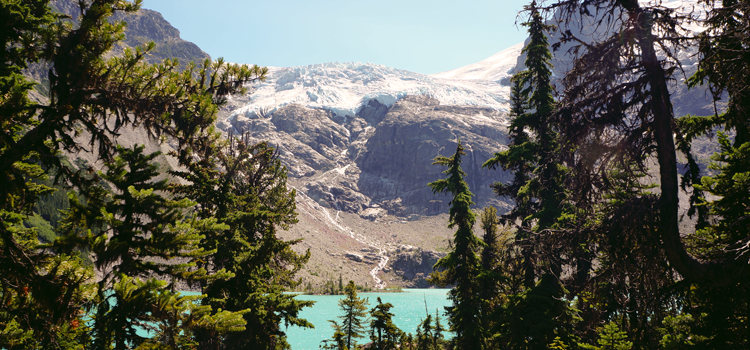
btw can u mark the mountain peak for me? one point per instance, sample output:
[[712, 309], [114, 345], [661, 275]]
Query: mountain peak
[[495, 68]]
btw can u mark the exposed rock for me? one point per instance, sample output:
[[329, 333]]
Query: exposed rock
[[373, 112], [337, 197], [382, 156], [398, 164], [354, 256], [373, 214], [144, 26], [415, 266]]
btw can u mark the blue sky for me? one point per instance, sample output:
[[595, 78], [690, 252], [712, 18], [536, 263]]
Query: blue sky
[[417, 35]]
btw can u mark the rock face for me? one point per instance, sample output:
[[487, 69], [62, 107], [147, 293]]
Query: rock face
[[400, 152], [415, 266], [380, 161], [144, 26]]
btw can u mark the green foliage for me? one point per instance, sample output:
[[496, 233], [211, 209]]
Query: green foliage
[[462, 265], [133, 231], [338, 342], [610, 338], [383, 332], [533, 318], [534, 149], [677, 332], [723, 47], [355, 314], [558, 344], [44, 230], [731, 209], [430, 337], [250, 198], [494, 278]]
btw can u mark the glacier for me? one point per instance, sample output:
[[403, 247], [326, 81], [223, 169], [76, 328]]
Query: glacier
[[343, 88]]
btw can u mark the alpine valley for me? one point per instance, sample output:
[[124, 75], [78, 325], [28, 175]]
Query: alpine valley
[[359, 139]]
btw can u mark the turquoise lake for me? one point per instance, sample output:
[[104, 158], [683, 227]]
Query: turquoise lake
[[408, 307]]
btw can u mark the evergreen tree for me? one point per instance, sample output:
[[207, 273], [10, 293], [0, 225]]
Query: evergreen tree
[[535, 315], [438, 338], [425, 335], [537, 186], [611, 338], [534, 153], [491, 278], [534, 318], [354, 317], [244, 187], [139, 233], [338, 342], [430, 337], [621, 85], [89, 100], [462, 265], [383, 332]]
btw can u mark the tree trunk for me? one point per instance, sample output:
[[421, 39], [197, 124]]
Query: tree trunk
[[726, 272]]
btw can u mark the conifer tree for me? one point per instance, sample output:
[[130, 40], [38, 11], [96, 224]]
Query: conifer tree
[[623, 86], [383, 332], [535, 156], [89, 100], [430, 337], [244, 187], [139, 234], [611, 338], [618, 110], [490, 278], [462, 265], [438, 340], [533, 318], [534, 153], [338, 341], [425, 335], [354, 317]]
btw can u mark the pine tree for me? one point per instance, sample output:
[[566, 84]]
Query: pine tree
[[462, 266], [338, 341], [250, 197], [533, 318], [139, 233], [425, 335], [430, 337], [383, 332], [534, 153], [89, 100], [537, 186], [611, 338], [354, 317], [491, 278], [438, 340], [623, 85]]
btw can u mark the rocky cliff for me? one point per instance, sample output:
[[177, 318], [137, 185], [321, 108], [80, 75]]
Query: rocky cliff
[[362, 180], [144, 26], [380, 161]]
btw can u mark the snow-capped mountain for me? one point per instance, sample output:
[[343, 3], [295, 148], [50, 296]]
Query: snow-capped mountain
[[359, 140], [497, 67], [343, 88]]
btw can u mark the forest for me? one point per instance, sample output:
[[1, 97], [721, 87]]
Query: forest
[[597, 253]]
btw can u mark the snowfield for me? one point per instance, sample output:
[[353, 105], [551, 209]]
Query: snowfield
[[496, 68], [344, 87]]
